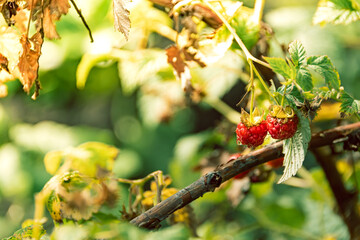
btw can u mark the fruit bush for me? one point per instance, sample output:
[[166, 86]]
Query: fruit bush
[[242, 101]]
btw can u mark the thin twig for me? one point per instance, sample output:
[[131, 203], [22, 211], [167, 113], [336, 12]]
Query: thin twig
[[83, 20], [210, 181]]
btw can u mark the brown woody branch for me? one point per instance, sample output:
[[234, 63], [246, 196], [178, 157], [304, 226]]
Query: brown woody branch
[[210, 181]]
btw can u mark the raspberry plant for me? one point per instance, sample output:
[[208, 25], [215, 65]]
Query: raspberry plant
[[171, 56]]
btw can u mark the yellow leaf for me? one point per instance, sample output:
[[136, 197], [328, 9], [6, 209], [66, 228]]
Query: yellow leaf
[[52, 161], [10, 48]]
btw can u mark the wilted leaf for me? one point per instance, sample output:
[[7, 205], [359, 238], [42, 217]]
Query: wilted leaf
[[8, 10], [181, 69], [29, 60], [121, 16], [76, 196], [4, 63], [53, 10], [21, 20], [10, 48]]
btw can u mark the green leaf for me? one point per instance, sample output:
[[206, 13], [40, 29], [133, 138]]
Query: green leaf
[[293, 95], [323, 66], [303, 78], [297, 53], [336, 12], [295, 148], [348, 105], [280, 66]]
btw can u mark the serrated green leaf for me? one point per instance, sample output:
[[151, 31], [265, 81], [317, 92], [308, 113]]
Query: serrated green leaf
[[297, 53], [349, 105], [295, 148], [280, 66], [303, 78], [336, 12], [323, 66]]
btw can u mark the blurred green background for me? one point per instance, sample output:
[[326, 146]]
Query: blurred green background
[[152, 136]]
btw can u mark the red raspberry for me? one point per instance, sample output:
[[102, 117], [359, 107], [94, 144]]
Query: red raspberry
[[252, 136], [282, 128]]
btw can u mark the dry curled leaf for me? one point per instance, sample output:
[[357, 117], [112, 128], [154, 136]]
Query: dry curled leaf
[[182, 71], [29, 60], [53, 10], [76, 196], [4, 63], [8, 10], [10, 48], [121, 16]]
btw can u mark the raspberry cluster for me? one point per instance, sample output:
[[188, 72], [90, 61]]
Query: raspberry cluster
[[280, 123]]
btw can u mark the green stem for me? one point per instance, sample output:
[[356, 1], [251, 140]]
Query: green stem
[[283, 97], [159, 180], [264, 84], [252, 90], [357, 116], [232, 115]]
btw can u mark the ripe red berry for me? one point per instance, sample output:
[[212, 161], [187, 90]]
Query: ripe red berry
[[252, 136], [282, 128], [276, 163]]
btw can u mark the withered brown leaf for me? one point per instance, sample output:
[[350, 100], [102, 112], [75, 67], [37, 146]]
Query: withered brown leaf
[[4, 63], [10, 48], [53, 10], [8, 10], [121, 16], [176, 59], [29, 60]]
